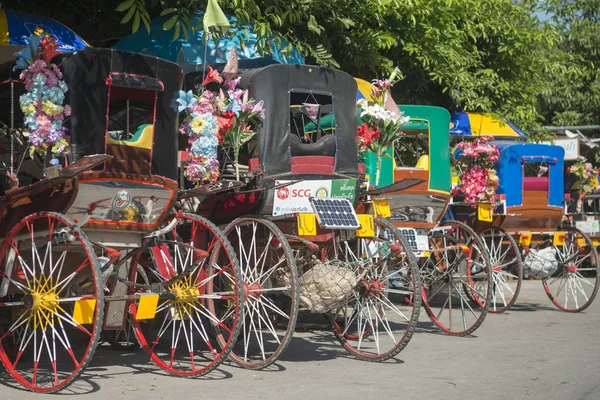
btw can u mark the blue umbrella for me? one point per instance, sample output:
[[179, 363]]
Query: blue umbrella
[[160, 43], [17, 27]]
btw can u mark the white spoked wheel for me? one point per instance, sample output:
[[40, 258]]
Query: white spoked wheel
[[270, 291], [507, 268], [574, 284], [457, 281], [377, 319], [52, 302], [196, 323]]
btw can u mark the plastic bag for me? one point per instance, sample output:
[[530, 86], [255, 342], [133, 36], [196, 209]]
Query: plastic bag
[[541, 264]]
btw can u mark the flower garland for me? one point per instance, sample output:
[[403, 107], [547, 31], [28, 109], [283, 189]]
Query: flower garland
[[42, 104], [226, 117], [586, 174], [380, 127], [478, 181]]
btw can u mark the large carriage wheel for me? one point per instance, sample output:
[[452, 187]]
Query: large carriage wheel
[[52, 302], [457, 281], [195, 324], [574, 285], [507, 268], [270, 291], [378, 318]]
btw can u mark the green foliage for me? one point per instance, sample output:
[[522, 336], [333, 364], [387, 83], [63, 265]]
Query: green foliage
[[574, 97], [490, 56]]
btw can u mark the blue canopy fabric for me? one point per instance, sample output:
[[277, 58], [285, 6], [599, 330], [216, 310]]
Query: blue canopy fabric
[[17, 27], [160, 43]]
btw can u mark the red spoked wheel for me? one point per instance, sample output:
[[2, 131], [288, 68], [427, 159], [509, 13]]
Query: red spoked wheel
[[52, 302], [457, 281], [507, 268], [271, 291], [196, 323], [574, 284], [377, 319]]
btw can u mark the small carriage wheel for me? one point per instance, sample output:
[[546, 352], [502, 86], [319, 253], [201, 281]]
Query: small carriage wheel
[[52, 302], [378, 318], [458, 287], [124, 339], [196, 323], [507, 268], [270, 291], [574, 285]]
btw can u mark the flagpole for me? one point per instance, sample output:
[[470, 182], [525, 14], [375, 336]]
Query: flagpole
[[207, 37]]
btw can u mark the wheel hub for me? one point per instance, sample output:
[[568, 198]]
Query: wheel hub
[[371, 287], [42, 301], [572, 269], [253, 290], [496, 268], [185, 293]]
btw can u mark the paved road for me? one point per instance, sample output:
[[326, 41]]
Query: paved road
[[532, 352]]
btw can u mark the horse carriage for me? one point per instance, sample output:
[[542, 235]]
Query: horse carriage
[[525, 231], [453, 261], [141, 264], [304, 241]]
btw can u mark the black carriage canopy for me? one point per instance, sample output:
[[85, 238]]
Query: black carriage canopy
[[115, 91], [282, 88]]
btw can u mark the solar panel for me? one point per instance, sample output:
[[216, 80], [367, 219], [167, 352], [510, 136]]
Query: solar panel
[[335, 213]]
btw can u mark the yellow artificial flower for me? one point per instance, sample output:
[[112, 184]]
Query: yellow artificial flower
[[30, 109], [197, 125], [51, 109]]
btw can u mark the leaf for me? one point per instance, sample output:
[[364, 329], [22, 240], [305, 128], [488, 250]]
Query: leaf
[[136, 23], [313, 26], [128, 16], [168, 11], [124, 5], [168, 25], [176, 31]]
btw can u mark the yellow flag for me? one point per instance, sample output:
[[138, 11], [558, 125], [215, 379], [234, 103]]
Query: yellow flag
[[215, 17]]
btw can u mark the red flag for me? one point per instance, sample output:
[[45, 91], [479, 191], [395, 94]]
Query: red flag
[[390, 104], [231, 68]]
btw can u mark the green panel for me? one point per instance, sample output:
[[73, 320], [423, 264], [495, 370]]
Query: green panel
[[343, 189], [439, 143], [386, 177]]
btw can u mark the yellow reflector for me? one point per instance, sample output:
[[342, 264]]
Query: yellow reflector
[[426, 254], [559, 238], [366, 226], [596, 243], [147, 306], [525, 239], [307, 224], [581, 242], [381, 208], [485, 212], [84, 311]]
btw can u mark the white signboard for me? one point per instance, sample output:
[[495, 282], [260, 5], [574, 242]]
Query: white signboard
[[294, 198], [571, 147]]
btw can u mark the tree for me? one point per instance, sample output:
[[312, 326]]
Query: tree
[[489, 56], [574, 99]]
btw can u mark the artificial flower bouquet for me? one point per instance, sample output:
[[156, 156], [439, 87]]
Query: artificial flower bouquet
[[478, 181], [42, 103], [225, 117], [381, 126], [586, 175]]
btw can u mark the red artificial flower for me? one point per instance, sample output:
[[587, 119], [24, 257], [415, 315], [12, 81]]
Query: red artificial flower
[[225, 123], [568, 170], [48, 46], [212, 76]]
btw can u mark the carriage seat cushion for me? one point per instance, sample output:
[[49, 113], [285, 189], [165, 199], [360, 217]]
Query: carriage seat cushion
[[325, 146], [535, 184]]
